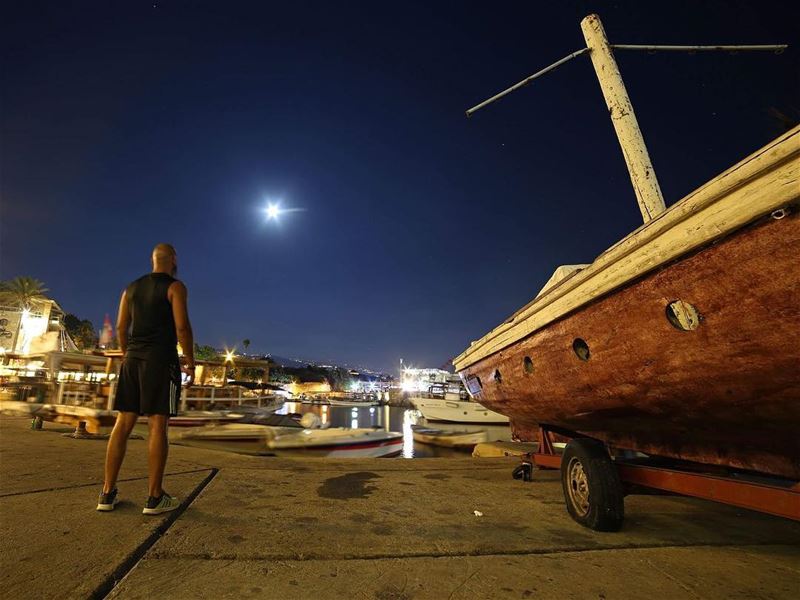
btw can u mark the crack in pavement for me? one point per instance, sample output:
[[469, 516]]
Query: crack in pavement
[[691, 592], [462, 584], [98, 482], [129, 564], [770, 562], [303, 557]]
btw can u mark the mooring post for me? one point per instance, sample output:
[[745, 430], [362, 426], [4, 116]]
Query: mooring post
[[643, 176]]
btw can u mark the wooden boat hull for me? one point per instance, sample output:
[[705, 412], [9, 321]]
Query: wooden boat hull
[[725, 393]]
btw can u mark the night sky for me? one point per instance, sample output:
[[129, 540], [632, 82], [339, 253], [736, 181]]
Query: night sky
[[130, 123]]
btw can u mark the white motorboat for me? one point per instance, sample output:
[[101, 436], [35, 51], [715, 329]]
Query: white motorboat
[[456, 411]]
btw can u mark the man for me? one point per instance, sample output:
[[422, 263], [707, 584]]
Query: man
[[154, 309]]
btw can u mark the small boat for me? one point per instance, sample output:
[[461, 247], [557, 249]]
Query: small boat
[[349, 402], [456, 411], [261, 416], [459, 440], [290, 438], [201, 418], [247, 438], [303, 399], [336, 442]]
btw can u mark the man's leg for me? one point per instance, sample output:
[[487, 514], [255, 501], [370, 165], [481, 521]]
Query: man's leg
[[158, 447], [115, 452]]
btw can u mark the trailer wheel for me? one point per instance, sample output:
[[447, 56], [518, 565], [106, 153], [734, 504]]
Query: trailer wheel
[[592, 489]]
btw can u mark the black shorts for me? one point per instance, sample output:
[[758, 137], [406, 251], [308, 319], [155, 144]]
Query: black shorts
[[149, 387]]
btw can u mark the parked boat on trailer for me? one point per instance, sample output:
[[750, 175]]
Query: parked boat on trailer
[[678, 342]]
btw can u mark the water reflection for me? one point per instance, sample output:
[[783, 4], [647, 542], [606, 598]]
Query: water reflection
[[410, 417], [391, 418]]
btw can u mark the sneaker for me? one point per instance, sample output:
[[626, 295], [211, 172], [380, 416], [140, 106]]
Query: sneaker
[[161, 504], [107, 502]]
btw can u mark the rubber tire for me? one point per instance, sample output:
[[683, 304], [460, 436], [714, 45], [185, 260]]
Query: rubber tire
[[606, 497]]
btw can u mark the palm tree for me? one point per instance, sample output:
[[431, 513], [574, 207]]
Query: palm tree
[[245, 343], [22, 292]]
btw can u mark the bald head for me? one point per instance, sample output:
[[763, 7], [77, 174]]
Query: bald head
[[165, 259]]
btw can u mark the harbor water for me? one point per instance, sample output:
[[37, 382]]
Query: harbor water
[[388, 418]]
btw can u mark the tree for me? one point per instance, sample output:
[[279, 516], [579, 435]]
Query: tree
[[205, 352], [82, 332], [245, 344], [280, 375], [340, 379], [251, 373], [22, 292]]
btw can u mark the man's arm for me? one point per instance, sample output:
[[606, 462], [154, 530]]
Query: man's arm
[[123, 322], [177, 296]]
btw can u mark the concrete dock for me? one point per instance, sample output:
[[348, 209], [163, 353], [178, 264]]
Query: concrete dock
[[386, 529]]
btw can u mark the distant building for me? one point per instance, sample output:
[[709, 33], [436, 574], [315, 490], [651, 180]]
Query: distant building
[[34, 330], [307, 387], [419, 380]]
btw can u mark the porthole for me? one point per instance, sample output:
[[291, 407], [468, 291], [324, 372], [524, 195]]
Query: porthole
[[527, 364], [581, 349], [497, 376], [474, 385], [683, 316]]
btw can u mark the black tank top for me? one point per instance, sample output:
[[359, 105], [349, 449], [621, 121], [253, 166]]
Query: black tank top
[[153, 326]]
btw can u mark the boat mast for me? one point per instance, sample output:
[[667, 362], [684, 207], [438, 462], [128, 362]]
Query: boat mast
[[637, 159], [620, 109]]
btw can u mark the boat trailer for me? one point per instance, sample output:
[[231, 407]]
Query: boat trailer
[[595, 484]]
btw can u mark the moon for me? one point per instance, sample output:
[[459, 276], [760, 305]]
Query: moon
[[273, 210]]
